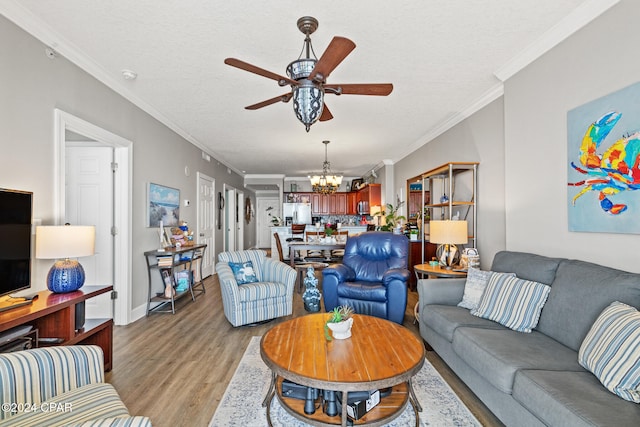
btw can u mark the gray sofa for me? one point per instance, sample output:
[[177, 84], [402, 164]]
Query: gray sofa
[[533, 379]]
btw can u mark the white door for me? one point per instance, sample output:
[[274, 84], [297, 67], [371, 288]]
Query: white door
[[264, 207], [89, 201], [229, 219], [239, 221], [205, 227]]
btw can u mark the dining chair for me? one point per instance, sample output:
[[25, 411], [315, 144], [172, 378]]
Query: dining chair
[[313, 236]]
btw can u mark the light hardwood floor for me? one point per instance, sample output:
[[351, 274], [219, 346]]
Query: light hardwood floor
[[175, 368]]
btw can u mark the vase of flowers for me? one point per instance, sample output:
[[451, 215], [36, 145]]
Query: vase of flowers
[[328, 230], [340, 322]]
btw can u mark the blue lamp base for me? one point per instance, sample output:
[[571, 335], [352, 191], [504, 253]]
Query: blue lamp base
[[65, 276]]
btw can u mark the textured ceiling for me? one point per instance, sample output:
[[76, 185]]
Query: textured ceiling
[[442, 57]]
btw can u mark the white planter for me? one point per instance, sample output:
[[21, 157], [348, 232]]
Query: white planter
[[341, 330]]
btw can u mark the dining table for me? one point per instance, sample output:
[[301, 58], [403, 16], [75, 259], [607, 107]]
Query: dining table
[[312, 246]]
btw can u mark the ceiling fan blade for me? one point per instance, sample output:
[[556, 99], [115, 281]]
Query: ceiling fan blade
[[326, 114], [282, 98], [337, 50], [282, 80], [379, 89]]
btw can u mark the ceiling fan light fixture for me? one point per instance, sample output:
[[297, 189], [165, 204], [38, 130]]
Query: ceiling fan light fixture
[[326, 182], [308, 102]]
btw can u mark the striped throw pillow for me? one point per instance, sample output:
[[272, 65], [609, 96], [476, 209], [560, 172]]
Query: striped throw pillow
[[513, 302], [611, 350]]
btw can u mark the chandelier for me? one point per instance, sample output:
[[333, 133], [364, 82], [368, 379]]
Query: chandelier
[[326, 182]]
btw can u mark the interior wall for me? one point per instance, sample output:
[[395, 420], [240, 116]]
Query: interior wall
[[33, 86], [479, 138], [599, 59]]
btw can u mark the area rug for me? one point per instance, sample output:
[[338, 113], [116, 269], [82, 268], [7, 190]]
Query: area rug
[[241, 404]]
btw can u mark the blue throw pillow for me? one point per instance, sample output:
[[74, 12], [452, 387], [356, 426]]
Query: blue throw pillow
[[243, 272], [611, 350], [513, 302]]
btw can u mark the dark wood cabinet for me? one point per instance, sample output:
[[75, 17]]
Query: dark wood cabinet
[[415, 257], [352, 203], [319, 204], [53, 316]]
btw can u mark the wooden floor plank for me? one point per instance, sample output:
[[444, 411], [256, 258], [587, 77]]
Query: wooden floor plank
[[175, 368]]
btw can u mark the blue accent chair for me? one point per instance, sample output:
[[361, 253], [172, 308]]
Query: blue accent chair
[[270, 297], [372, 277]]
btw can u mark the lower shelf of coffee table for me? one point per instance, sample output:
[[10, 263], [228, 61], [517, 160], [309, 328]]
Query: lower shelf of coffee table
[[389, 408]]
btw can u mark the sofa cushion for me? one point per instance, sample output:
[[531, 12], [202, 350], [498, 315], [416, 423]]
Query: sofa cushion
[[512, 302], [474, 287], [579, 293], [572, 398], [526, 266], [89, 402], [611, 350], [261, 290], [445, 319], [360, 290], [497, 354]]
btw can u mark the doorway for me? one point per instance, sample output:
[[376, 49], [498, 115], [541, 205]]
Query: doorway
[[205, 221], [121, 166], [229, 218], [266, 208], [89, 201]]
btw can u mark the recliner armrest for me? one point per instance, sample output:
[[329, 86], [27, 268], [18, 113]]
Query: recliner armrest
[[401, 274], [343, 273]]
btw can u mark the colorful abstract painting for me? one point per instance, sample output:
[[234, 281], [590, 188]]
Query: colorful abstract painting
[[604, 163]]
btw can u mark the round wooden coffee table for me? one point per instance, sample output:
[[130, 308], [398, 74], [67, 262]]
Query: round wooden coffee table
[[379, 354]]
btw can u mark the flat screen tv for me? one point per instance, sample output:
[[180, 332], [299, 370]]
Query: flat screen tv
[[15, 250]]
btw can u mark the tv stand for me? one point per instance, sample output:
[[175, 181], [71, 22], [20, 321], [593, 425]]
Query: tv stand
[[14, 302], [53, 315]]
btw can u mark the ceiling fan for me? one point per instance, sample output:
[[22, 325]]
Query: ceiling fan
[[308, 75]]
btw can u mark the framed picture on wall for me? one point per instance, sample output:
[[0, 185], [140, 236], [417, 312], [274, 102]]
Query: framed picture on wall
[[357, 184], [163, 205]]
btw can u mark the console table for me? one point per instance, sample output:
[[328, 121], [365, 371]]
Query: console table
[[176, 259], [53, 316]]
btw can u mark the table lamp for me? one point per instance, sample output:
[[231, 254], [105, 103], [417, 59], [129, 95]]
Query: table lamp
[[62, 242], [448, 233]]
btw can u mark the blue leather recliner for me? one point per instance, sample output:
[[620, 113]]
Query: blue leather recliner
[[372, 277]]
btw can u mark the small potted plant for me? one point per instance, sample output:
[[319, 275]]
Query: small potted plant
[[393, 221], [340, 321], [413, 234]]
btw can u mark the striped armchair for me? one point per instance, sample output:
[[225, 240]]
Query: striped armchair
[[60, 386], [269, 297]]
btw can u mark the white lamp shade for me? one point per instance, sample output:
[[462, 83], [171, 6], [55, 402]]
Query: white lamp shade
[[65, 241], [448, 232]]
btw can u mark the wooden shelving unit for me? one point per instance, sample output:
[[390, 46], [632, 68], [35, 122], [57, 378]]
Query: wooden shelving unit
[[443, 180], [53, 316]]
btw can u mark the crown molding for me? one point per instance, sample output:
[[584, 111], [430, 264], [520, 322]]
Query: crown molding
[[581, 16], [485, 99]]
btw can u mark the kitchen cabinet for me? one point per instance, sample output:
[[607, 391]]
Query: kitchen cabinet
[[319, 204], [338, 203], [352, 203], [369, 196]]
